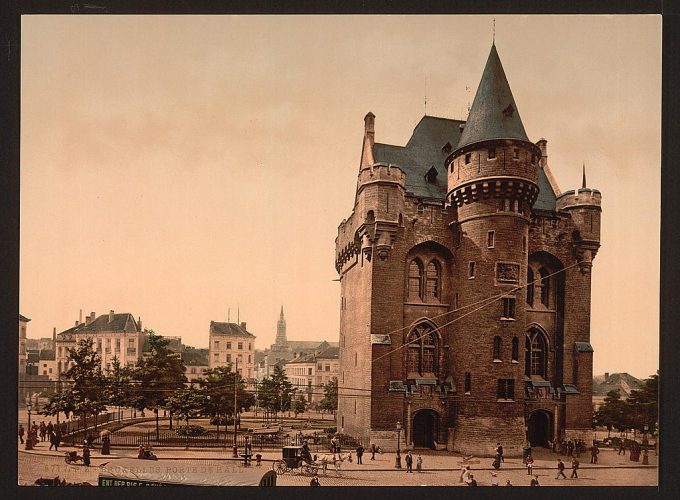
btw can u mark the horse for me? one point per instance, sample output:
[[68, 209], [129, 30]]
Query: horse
[[335, 459]]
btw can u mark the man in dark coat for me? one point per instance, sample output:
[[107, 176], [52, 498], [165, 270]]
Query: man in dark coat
[[21, 433], [409, 462], [574, 468], [360, 453], [594, 452], [560, 469], [86, 454], [55, 439], [373, 450]]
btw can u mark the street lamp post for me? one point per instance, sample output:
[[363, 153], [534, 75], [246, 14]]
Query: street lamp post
[[397, 461], [29, 436]]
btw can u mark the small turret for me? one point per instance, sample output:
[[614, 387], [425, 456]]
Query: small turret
[[584, 205]]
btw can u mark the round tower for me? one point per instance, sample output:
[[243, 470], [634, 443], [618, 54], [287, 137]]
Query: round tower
[[492, 179]]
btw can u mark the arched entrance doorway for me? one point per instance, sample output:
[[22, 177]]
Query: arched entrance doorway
[[425, 428], [540, 428]]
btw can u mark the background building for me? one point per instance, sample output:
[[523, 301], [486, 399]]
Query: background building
[[116, 335], [23, 324], [465, 286], [309, 373], [195, 362], [229, 342]]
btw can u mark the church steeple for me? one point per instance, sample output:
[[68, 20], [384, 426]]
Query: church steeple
[[281, 340], [494, 113], [584, 176]]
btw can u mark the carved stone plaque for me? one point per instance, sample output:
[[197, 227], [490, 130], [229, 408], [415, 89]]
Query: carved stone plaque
[[507, 273]]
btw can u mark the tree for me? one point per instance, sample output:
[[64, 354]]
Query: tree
[[119, 389], [284, 388], [87, 390], [59, 402], [218, 386], [275, 393], [329, 402], [612, 414], [186, 403], [159, 374], [643, 405], [299, 405]]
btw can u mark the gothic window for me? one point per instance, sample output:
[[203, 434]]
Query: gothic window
[[496, 348], [422, 351], [536, 354], [415, 278], [433, 280], [468, 382], [515, 349], [530, 286], [471, 270]]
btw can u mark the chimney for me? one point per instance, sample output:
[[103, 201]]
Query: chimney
[[89, 319], [139, 322], [543, 146], [369, 140], [111, 316], [80, 317], [606, 376], [77, 323], [243, 325]]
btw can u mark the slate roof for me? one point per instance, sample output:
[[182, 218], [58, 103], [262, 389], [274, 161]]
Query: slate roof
[[122, 322], [47, 354], [328, 353], [622, 382], [422, 152], [229, 329], [546, 196], [494, 113], [195, 357]]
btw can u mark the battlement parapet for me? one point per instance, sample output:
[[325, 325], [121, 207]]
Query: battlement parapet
[[381, 172], [579, 198]]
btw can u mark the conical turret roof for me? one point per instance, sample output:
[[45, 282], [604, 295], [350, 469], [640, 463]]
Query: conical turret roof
[[494, 113]]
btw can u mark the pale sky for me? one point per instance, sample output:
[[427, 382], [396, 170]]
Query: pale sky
[[174, 167]]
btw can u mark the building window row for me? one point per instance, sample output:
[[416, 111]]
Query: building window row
[[423, 351]]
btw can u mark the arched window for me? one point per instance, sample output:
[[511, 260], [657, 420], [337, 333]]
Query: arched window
[[422, 351], [496, 348], [545, 286], [415, 278], [530, 286], [433, 281], [536, 354], [515, 349], [370, 217]]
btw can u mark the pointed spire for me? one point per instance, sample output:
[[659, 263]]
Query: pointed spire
[[229, 315], [494, 112], [281, 315], [238, 314], [584, 175]]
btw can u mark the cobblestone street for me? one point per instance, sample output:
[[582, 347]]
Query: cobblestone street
[[440, 469]]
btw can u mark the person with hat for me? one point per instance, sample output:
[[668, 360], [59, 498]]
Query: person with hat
[[86, 453]]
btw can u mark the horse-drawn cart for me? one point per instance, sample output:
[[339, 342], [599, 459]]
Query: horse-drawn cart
[[292, 460]]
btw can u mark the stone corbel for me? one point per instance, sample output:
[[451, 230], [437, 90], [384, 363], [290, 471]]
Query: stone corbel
[[585, 253]]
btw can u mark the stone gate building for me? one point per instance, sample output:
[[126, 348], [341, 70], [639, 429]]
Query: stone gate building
[[465, 287]]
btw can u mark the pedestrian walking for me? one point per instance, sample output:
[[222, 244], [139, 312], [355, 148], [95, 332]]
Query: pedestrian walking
[[50, 428], [409, 462], [21, 433], [594, 452], [86, 454], [622, 448], [419, 464], [530, 465], [55, 437], [560, 469], [42, 431], [360, 453], [570, 448], [574, 468], [496, 464], [373, 450], [534, 481], [471, 480], [499, 451], [494, 479]]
